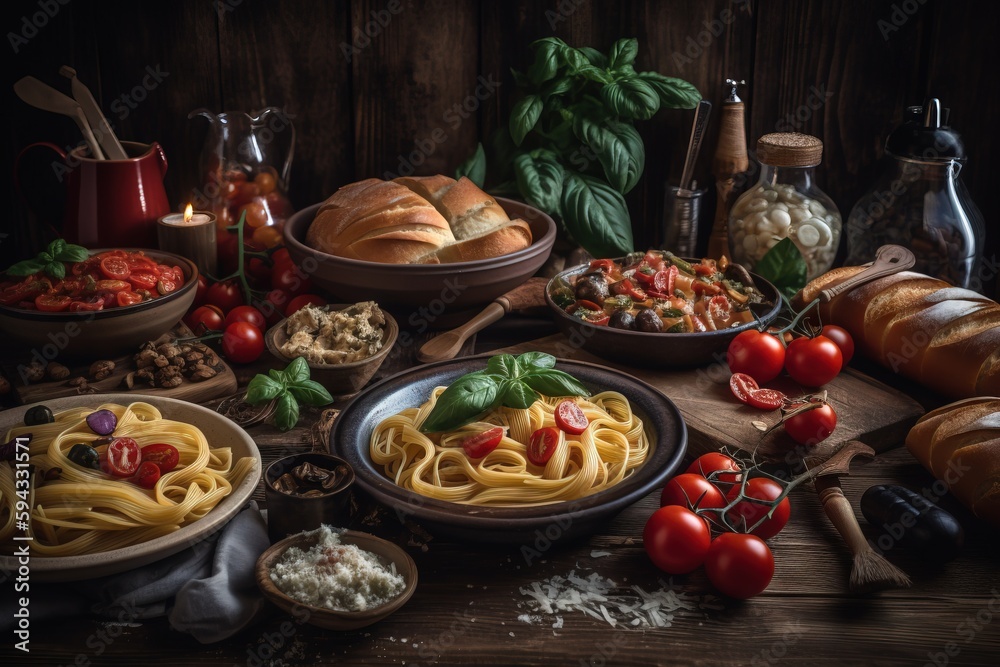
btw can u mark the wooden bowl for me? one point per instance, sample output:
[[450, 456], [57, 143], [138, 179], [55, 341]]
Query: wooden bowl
[[329, 618], [340, 380]]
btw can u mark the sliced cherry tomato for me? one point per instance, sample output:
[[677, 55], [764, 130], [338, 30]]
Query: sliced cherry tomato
[[226, 295], [115, 268], [739, 565], [606, 266], [720, 308], [702, 269], [164, 286], [759, 355], [121, 458], [626, 287], [646, 276], [657, 295], [128, 298], [52, 303], [766, 399], [246, 314], [139, 262], [692, 491], [114, 286], [842, 339], [676, 539], [813, 361], [570, 418], [89, 304], [746, 514], [147, 475], [702, 288], [140, 279], [242, 342], [588, 305], [164, 455], [543, 444], [170, 272], [303, 300], [812, 426], [741, 385], [724, 468], [479, 445], [664, 281]]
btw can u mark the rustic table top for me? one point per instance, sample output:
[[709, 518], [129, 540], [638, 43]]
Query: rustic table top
[[472, 604]]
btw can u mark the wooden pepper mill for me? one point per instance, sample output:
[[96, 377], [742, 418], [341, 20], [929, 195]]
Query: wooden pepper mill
[[730, 160]]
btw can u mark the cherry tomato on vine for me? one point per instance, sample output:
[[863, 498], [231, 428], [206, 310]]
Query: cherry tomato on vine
[[676, 539], [286, 276], [204, 318], [842, 339], [274, 305], [479, 445], [201, 292], [813, 361], [691, 490], [570, 418], [242, 342], [226, 295], [745, 514], [759, 355], [812, 426], [739, 565], [246, 314], [706, 464]]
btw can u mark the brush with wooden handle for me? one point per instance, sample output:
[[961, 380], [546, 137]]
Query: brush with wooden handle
[[730, 160], [448, 344]]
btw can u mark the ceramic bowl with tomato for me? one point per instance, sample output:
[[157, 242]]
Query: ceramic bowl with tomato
[[647, 349], [427, 295], [86, 329]]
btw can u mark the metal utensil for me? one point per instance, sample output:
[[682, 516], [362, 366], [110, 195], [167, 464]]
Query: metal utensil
[[694, 142], [683, 203], [45, 97], [98, 123]]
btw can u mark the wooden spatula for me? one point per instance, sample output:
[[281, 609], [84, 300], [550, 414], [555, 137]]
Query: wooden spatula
[[889, 259]]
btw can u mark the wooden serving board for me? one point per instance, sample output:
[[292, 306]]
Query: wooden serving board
[[867, 409], [223, 384]]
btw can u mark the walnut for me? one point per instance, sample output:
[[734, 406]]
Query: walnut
[[56, 371], [169, 350], [146, 356], [129, 380], [201, 373], [193, 356], [146, 374], [33, 372], [101, 369], [169, 377], [161, 361], [177, 361], [82, 386]]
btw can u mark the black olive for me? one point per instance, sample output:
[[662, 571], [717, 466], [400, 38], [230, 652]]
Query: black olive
[[40, 414], [84, 455], [911, 520], [592, 287], [647, 320], [622, 319]]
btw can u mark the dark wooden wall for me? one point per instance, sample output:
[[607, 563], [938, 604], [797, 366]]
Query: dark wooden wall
[[840, 69]]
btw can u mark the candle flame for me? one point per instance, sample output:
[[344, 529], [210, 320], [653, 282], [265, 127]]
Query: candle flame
[[188, 212]]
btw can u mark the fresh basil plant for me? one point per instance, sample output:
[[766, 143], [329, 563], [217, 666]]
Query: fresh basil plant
[[289, 387]]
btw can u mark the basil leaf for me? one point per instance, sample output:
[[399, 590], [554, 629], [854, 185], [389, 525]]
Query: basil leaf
[[503, 365], [784, 266], [596, 58], [618, 147], [72, 253], [517, 394], [56, 270], [468, 397], [673, 93], [557, 87], [596, 216], [524, 116], [297, 371], [547, 58], [551, 382], [310, 392], [279, 377], [475, 167], [45, 257], [540, 179], [262, 388], [26, 267], [576, 59], [623, 53], [631, 97], [286, 412], [595, 74], [529, 361], [56, 247]]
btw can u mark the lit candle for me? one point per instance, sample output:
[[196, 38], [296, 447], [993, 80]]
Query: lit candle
[[189, 217], [191, 234]]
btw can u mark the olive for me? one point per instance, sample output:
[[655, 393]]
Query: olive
[[647, 320], [592, 287], [622, 319], [40, 414], [84, 455]]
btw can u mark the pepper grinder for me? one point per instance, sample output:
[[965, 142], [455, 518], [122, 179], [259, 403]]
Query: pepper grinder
[[730, 160]]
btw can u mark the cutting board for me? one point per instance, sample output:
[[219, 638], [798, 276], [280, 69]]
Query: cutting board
[[867, 409], [223, 384]]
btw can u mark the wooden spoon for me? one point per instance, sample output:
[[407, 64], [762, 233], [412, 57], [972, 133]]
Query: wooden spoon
[[39, 95], [448, 344], [889, 259]]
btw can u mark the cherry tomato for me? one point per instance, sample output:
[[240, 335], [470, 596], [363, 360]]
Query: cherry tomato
[[246, 314], [205, 318], [676, 539], [663, 281], [759, 355], [692, 491], [257, 215], [121, 458], [741, 385], [288, 277], [258, 271], [143, 279], [813, 361], [739, 565], [128, 298], [242, 342], [52, 303], [163, 455], [570, 418], [112, 286], [267, 236], [245, 193], [812, 426], [164, 286], [115, 268], [842, 339], [766, 399], [745, 514], [479, 445], [280, 256], [265, 182], [90, 304], [147, 475], [201, 292], [303, 300], [275, 304], [543, 444], [226, 295], [138, 262], [726, 467]]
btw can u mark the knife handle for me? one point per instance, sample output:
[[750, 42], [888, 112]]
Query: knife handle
[[838, 508]]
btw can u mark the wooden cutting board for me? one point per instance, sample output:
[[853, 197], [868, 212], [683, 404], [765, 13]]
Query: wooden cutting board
[[223, 384], [867, 409]]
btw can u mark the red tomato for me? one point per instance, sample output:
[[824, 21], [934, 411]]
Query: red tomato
[[112, 286], [138, 262], [605, 266], [570, 418], [242, 342], [121, 458], [479, 445], [89, 304], [741, 385], [692, 491], [812, 426], [280, 256], [163, 455], [128, 298], [246, 314], [275, 304], [759, 355], [143, 280], [201, 291], [813, 361], [205, 318], [303, 300], [288, 277], [842, 339], [147, 475], [226, 295], [746, 514], [663, 281], [725, 467], [543, 445], [258, 271], [52, 303], [676, 539], [165, 286], [115, 268], [766, 399], [265, 182], [739, 565]]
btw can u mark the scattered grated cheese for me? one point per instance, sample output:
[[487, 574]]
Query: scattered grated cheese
[[599, 554]]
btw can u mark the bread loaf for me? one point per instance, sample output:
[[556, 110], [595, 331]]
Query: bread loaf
[[415, 220], [960, 445], [945, 337]]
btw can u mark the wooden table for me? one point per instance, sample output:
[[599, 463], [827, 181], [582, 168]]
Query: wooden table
[[469, 607]]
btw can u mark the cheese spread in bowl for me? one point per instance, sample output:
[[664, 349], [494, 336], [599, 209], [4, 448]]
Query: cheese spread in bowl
[[334, 337]]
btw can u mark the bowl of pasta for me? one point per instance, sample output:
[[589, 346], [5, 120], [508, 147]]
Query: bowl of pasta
[[90, 521], [512, 471]]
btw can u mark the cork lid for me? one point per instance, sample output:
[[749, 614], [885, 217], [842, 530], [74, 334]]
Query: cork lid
[[789, 149]]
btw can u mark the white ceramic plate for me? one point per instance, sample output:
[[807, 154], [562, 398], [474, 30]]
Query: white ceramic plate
[[220, 432]]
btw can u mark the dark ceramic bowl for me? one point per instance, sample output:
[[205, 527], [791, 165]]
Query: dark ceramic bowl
[[658, 350], [102, 334], [289, 514], [426, 290], [353, 428]]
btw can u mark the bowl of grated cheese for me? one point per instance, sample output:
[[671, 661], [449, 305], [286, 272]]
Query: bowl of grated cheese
[[337, 579]]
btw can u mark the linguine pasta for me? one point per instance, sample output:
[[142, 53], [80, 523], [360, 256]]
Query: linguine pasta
[[85, 511], [435, 465]]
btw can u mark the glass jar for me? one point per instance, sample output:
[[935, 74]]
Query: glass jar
[[786, 203]]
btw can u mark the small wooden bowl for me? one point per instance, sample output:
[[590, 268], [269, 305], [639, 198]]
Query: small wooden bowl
[[341, 380], [330, 619]]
